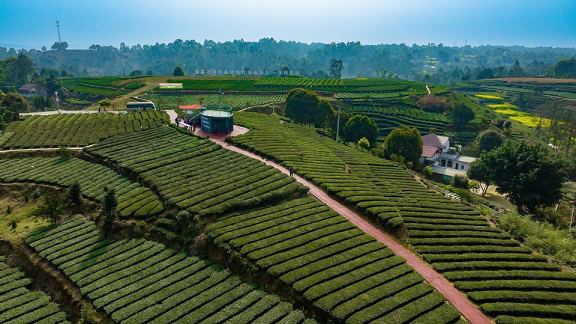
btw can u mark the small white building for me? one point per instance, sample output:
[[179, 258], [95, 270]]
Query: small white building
[[33, 90], [444, 159]]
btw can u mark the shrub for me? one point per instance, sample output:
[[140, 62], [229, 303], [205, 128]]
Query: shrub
[[51, 209], [65, 152], [87, 314], [460, 181], [427, 172], [74, 194], [183, 216], [377, 152], [363, 143], [542, 237], [167, 224]]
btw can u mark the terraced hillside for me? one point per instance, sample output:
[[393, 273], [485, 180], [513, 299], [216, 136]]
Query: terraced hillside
[[103, 85], [508, 281], [194, 173], [18, 305], [133, 199], [360, 85], [333, 264], [137, 281], [390, 118], [76, 129], [164, 101]]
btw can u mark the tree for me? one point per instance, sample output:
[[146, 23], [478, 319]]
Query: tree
[[427, 172], [323, 111], [74, 194], [179, 71], [109, 204], [482, 173], [104, 103], [200, 100], [489, 140], [506, 124], [335, 68], [59, 46], [6, 117], [434, 104], [301, 105], [361, 126], [461, 116], [364, 144], [136, 73], [51, 208], [405, 142], [526, 173], [15, 103], [459, 181]]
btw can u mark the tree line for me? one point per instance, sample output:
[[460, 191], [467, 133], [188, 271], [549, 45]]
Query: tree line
[[451, 62]]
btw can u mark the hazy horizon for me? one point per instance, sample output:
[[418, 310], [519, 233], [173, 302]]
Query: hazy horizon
[[30, 23]]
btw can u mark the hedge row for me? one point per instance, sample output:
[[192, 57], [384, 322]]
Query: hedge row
[[77, 129], [133, 200], [19, 305], [136, 281], [323, 256], [195, 174], [454, 238]]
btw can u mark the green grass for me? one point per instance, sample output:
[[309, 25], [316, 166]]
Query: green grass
[[22, 214]]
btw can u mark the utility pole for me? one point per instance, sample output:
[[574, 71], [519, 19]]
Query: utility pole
[[338, 125]]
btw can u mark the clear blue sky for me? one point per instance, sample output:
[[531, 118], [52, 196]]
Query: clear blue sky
[[109, 22]]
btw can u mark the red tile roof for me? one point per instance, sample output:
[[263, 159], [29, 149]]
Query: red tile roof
[[429, 151]]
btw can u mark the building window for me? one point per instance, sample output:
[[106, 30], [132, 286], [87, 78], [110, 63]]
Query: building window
[[462, 166], [449, 164]]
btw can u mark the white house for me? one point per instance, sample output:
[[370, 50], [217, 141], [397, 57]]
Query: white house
[[444, 159], [33, 90]]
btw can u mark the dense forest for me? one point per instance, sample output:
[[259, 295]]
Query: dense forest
[[429, 63]]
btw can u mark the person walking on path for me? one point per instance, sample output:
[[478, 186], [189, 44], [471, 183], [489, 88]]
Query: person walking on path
[[215, 129], [291, 171], [194, 128], [177, 122]]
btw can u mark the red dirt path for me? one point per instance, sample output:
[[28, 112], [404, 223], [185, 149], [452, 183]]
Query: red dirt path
[[466, 308]]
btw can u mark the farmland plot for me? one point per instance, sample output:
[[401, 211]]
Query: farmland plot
[[133, 199], [137, 281], [509, 281]]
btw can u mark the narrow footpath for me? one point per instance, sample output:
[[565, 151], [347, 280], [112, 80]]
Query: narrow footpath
[[466, 308]]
